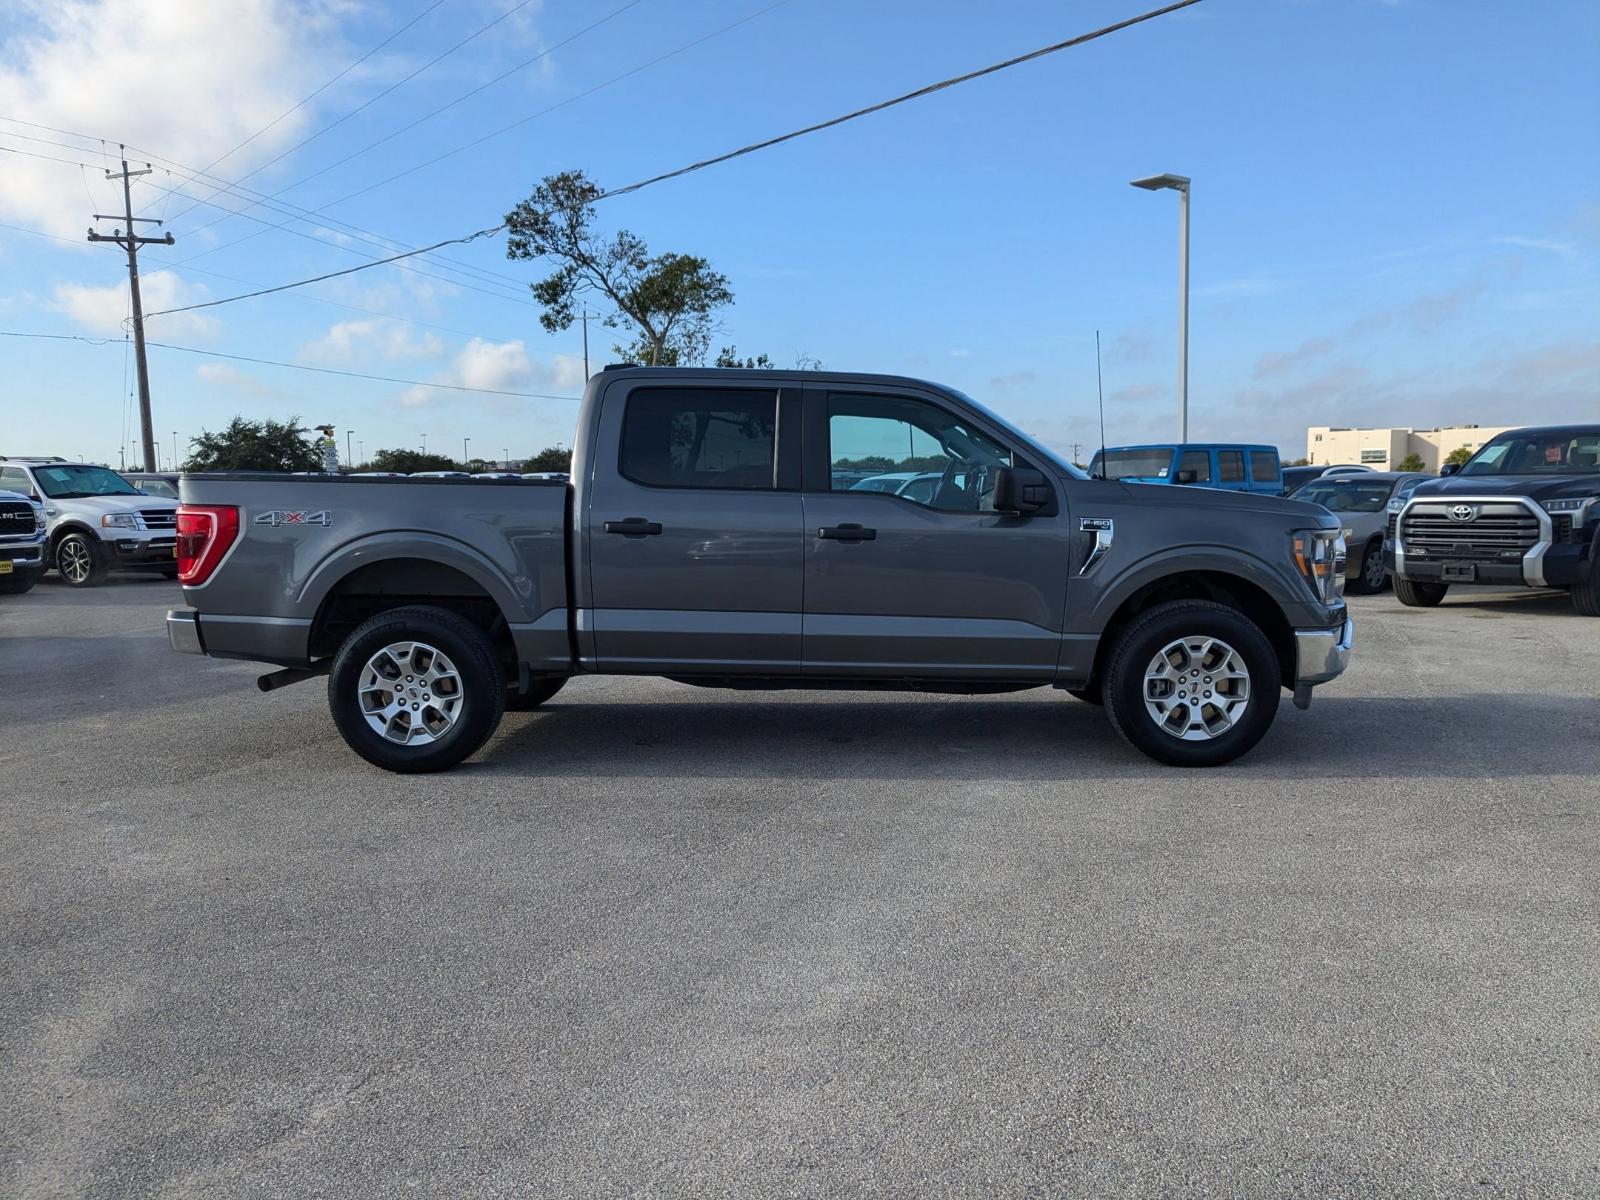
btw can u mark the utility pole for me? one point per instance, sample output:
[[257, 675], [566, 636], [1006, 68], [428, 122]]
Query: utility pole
[[347, 453], [586, 318], [131, 243], [464, 459]]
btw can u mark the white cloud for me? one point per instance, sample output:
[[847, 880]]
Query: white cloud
[[501, 367], [188, 81], [103, 309], [350, 343]]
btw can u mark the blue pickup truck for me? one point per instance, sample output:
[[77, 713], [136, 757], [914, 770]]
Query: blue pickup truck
[[1231, 466]]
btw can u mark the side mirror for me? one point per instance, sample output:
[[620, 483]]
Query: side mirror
[[1020, 490], [1449, 469]]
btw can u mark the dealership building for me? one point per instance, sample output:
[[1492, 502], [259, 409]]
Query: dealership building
[[1385, 449]]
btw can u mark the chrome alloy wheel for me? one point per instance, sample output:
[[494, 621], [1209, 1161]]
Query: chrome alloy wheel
[[410, 693], [1197, 688], [73, 560]]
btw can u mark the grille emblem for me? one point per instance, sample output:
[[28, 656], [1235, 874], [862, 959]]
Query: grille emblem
[[1464, 512]]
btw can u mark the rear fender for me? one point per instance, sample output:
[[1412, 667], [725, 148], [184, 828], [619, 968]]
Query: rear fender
[[517, 599]]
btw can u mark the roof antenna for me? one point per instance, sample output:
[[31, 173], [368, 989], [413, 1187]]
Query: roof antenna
[[1100, 392]]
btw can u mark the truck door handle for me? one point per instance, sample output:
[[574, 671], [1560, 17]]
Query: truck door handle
[[633, 527], [847, 533]]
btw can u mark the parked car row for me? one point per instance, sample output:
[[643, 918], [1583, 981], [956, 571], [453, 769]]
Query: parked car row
[[94, 521]]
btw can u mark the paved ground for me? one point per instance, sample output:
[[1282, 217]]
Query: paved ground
[[661, 941]]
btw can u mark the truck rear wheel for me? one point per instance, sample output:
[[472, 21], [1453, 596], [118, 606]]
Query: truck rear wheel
[[538, 692], [1192, 683], [1414, 594], [416, 689]]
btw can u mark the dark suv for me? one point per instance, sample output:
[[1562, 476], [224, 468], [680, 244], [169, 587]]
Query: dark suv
[[1523, 510]]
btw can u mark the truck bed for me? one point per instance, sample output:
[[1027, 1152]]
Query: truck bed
[[308, 541]]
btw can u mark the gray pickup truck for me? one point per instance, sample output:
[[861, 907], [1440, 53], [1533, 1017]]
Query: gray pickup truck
[[713, 533]]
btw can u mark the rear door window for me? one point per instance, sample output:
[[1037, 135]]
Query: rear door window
[[1230, 466], [700, 437]]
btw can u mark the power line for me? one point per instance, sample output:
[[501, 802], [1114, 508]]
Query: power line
[[635, 187], [283, 287], [373, 100], [269, 362], [288, 112], [929, 90]]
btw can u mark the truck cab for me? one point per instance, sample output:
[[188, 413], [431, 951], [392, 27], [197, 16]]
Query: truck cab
[[1227, 466]]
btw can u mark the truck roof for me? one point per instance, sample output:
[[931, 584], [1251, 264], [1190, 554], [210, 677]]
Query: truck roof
[[1195, 446]]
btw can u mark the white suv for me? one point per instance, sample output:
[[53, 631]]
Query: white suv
[[97, 521]]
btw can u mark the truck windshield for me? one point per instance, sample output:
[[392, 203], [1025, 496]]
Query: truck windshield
[[1151, 463], [1548, 452], [70, 482], [1352, 495]]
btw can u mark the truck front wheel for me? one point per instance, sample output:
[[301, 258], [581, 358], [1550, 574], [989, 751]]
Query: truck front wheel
[[1192, 683], [416, 689], [1586, 592], [1413, 594]]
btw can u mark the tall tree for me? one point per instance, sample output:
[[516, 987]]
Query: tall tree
[[254, 446], [666, 303]]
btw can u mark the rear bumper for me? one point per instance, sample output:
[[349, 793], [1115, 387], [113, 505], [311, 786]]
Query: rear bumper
[[183, 631], [280, 640], [1322, 654]]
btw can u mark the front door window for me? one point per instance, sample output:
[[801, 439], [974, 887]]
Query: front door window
[[911, 449]]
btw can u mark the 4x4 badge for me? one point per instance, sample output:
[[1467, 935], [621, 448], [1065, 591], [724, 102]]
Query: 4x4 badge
[[277, 518]]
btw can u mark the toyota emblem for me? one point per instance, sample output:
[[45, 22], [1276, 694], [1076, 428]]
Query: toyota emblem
[[1463, 512]]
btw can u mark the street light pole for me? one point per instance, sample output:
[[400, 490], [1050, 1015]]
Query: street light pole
[[464, 459], [1181, 185], [174, 449], [347, 453]]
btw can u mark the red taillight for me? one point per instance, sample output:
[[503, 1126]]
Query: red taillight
[[205, 531]]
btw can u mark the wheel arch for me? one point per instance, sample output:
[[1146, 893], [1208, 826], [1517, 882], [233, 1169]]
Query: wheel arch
[[363, 589], [1244, 595]]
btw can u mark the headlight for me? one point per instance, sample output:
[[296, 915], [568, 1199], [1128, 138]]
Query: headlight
[[1396, 504], [38, 517], [1576, 505], [1319, 553], [120, 521]]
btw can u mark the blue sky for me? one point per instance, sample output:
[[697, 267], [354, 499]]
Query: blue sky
[[1396, 207]]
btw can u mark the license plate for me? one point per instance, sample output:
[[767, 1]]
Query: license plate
[[1460, 572], [5, 566]]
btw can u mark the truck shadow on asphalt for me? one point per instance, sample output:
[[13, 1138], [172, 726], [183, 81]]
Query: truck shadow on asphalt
[[1049, 738]]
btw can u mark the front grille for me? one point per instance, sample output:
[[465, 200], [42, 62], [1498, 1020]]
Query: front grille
[[160, 518], [1394, 519], [1500, 532], [17, 519]]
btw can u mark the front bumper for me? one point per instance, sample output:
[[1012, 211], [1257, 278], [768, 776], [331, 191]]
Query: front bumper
[[143, 552], [1561, 556], [1322, 654], [24, 556]]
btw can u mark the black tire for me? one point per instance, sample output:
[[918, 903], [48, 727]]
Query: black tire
[[1586, 592], [1372, 576], [1415, 594], [80, 561], [538, 692], [18, 582], [466, 647], [1139, 644], [1089, 695]]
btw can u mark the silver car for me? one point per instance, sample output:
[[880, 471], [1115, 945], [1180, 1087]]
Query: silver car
[[1361, 501]]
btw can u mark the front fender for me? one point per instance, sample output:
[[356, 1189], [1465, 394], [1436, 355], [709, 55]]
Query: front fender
[[1113, 592]]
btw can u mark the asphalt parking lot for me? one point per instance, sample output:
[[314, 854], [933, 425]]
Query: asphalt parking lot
[[664, 941]]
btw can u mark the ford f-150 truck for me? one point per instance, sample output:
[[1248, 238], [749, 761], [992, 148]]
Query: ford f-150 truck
[[704, 537], [1523, 511]]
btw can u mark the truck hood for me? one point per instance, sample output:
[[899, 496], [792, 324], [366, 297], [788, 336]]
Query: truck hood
[[1535, 487], [1293, 514], [100, 505]]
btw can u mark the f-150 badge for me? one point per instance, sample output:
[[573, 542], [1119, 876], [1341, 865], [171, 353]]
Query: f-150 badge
[[277, 518]]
